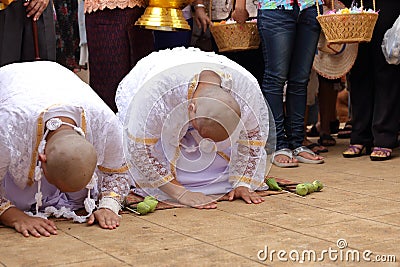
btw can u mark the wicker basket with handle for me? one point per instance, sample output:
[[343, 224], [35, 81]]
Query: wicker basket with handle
[[235, 36], [348, 28]]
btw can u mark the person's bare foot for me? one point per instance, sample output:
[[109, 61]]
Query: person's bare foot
[[284, 158], [307, 155]]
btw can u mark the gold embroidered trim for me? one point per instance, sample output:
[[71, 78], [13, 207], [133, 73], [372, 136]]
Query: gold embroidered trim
[[145, 141], [112, 194], [159, 183], [172, 165], [192, 87], [224, 156], [109, 170], [39, 136], [245, 179], [252, 142]]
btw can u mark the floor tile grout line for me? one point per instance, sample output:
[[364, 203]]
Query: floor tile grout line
[[105, 252], [203, 241], [285, 228], [364, 194], [342, 213], [78, 262], [354, 217], [308, 235], [366, 178]]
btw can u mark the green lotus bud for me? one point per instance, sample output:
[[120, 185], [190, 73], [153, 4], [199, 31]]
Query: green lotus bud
[[310, 187], [152, 204], [142, 208], [149, 197], [273, 185], [318, 185], [301, 189]]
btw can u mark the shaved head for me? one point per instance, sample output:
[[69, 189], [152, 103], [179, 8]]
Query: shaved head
[[216, 114], [70, 161]]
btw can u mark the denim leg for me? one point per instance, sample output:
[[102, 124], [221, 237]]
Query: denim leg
[[277, 29], [307, 35]]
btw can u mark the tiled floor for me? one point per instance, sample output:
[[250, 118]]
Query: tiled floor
[[359, 204]]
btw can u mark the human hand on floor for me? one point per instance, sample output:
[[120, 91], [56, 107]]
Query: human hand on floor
[[106, 218], [28, 225], [197, 200], [35, 8], [245, 194]]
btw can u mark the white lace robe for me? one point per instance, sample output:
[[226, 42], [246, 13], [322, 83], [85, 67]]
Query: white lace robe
[[29, 94], [152, 103]]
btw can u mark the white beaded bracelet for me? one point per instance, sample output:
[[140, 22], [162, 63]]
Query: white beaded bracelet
[[111, 204]]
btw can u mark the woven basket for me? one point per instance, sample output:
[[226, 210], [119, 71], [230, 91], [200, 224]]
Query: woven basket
[[348, 28], [236, 36]]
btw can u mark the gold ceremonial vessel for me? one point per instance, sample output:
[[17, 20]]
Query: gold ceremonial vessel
[[164, 15]]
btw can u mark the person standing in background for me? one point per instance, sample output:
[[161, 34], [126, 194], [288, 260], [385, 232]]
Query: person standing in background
[[67, 32], [16, 34], [289, 33], [375, 91], [115, 44]]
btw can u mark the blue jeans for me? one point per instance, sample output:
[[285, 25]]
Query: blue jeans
[[289, 39]]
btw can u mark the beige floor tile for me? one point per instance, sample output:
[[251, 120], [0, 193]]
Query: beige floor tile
[[100, 262], [299, 217], [364, 207], [385, 253], [17, 250], [296, 249], [358, 233], [390, 219], [196, 255], [360, 203], [207, 225], [135, 234]]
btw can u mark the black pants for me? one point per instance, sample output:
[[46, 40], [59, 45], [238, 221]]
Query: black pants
[[375, 86]]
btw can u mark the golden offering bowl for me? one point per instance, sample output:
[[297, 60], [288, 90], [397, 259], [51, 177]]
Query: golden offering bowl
[[164, 15]]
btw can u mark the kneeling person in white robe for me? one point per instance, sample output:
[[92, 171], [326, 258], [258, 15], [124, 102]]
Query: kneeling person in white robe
[[196, 128], [61, 150]]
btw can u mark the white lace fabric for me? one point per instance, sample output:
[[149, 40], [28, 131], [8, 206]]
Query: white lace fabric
[[94, 5], [159, 84], [26, 95]]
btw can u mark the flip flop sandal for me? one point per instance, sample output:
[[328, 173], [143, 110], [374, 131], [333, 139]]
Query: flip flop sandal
[[314, 145], [387, 154], [301, 149], [345, 132], [326, 140], [286, 152]]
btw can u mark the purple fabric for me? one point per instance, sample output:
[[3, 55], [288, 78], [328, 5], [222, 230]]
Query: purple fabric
[[115, 46], [24, 199]]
